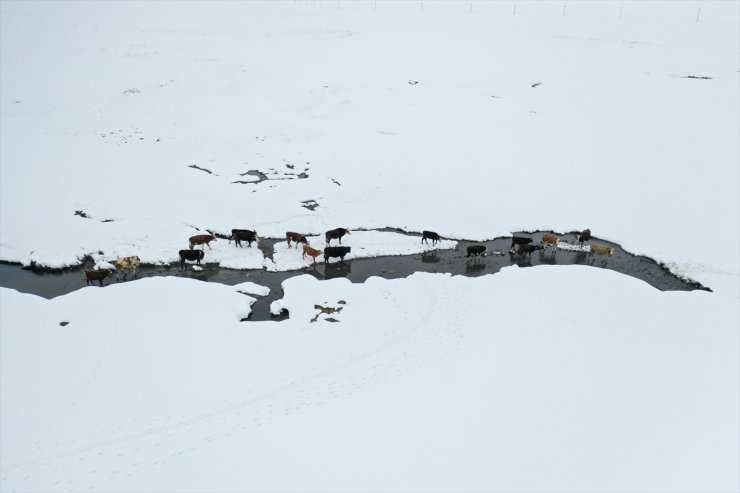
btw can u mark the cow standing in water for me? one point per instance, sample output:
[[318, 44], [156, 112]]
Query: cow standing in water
[[191, 255], [585, 235], [528, 249], [549, 239], [97, 275], [476, 250], [601, 250], [520, 240]]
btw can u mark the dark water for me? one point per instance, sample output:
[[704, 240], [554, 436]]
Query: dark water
[[49, 284]]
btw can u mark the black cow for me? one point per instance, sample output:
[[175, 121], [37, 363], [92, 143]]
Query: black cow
[[192, 255], [336, 234], [430, 235], [97, 275], [476, 250], [339, 251], [584, 236], [239, 235], [520, 240], [528, 249]]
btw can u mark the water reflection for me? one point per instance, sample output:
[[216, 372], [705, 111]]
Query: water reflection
[[430, 257], [548, 258], [474, 266], [339, 269], [581, 258]]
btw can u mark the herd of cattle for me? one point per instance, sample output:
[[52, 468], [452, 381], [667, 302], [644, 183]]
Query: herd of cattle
[[239, 235], [524, 246], [520, 245]]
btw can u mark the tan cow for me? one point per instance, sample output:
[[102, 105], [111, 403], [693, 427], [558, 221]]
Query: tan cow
[[551, 240], [127, 263], [601, 250], [311, 252]]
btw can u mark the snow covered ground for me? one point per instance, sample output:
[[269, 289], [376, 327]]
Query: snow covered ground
[[414, 116], [399, 117], [541, 379]]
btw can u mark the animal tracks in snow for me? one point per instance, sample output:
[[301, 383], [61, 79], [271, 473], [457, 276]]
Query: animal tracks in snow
[[408, 343]]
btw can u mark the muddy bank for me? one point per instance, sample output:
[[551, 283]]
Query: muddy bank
[[54, 283]]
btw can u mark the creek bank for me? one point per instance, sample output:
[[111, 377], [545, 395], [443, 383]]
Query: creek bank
[[50, 283]]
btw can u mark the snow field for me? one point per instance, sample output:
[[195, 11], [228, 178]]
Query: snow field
[[541, 379], [453, 374], [614, 137]]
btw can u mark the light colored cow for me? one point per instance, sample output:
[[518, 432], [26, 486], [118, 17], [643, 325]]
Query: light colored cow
[[602, 251], [551, 240], [127, 263], [311, 252]]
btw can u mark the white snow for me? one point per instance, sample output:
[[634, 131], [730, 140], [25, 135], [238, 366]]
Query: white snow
[[252, 288], [430, 383], [471, 151], [101, 264], [573, 247], [471, 119]]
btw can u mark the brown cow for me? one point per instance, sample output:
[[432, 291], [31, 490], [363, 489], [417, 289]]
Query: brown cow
[[201, 239], [551, 240], [97, 275], [312, 252], [296, 237]]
